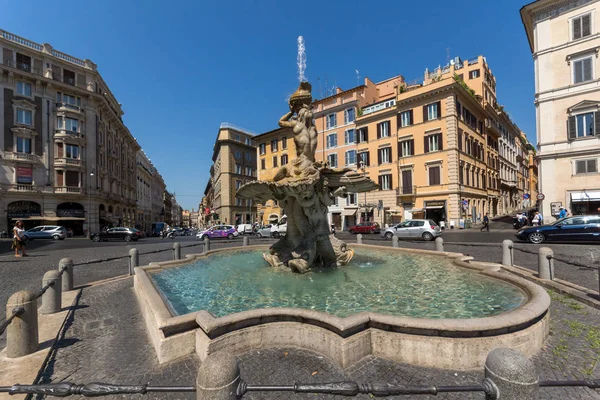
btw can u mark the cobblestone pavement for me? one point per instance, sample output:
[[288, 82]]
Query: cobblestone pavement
[[106, 341]]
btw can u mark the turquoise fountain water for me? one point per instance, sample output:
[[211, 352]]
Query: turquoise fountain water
[[418, 286]]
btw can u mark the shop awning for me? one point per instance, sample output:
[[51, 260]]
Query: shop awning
[[35, 218], [433, 207], [588, 195], [416, 210], [64, 219], [347, 212], [393, 211]]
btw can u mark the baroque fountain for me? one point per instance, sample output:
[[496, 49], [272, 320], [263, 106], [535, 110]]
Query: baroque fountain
[[305, 188], [427, 308]]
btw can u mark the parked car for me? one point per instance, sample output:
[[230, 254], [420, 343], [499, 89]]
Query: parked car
[[218, 231], [280, 228], [264, 231], [244, 229], [425, 229], [582, 228], [126, 234], [46, 232], [365, 227]]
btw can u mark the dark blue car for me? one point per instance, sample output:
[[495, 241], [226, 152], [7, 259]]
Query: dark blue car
[[582, 228]]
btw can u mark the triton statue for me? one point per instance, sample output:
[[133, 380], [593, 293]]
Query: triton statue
[[304, 189]]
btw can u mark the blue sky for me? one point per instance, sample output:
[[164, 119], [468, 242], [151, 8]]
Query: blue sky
[[180, 68]]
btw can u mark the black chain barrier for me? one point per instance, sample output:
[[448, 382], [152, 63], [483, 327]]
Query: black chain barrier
[[14, 313], [348, 389]]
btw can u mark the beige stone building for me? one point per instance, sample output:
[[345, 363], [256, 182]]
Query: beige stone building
[[564, 39], [66, 156], [150, 189], [234, 164]]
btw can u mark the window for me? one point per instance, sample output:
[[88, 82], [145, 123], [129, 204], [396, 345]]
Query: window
[[68, 124], [363, 135], [24, 89], [23, 62], [385, 155], [72, 151], [238, 169], [331, 140], [263, 149], [406, 148], [434, 176], [582, 125], [582, 70], [474, 74], [23, 145], [248, 156], [249, 171], [385, 182], [248, 141], [352, 199], [406, 118], [284, 159], [274, 145], [349, 136], [24, 116], [363, 159], [238, 184], [433, 142], [586, 166], [238, 155], [383, 129], [262, 163], [581, 26], [349, 115], [351, 157], [332, 160], [284, 143], [274, 161], [431, 111], [331, 121], [407, 187]]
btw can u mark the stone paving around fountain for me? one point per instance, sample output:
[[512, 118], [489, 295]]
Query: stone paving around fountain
[[107, 341]]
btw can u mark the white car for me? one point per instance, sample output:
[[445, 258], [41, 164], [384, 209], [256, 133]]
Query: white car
[[244, 229], [280, 228]]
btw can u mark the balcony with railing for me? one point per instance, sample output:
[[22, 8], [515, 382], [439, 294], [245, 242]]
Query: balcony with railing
[[493, 126], [67, 162], [68, 107], [16, 156], [20, 187], [68, 189], [67, 134]]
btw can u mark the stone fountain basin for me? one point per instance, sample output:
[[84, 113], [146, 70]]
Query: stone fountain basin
[[459, 344]]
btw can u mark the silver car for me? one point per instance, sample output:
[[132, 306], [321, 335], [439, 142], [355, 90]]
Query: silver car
[[264, 231], [425, 229], [46, 232]]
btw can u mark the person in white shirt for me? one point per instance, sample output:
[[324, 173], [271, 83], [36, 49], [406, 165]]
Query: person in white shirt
[[18, 241]]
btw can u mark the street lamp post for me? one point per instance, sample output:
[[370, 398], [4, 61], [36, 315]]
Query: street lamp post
[[89, 213], [361, 165]]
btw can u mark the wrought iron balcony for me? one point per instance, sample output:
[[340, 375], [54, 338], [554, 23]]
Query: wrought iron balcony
[[68, 107], [406, 191], [69, 81]]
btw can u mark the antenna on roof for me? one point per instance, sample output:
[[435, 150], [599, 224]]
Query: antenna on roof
[[447, 55]]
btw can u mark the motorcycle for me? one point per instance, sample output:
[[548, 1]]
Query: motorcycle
[[518, 223]]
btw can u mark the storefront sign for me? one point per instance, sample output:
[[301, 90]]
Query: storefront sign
[[555, 207], [435, 203], [24, 174], [69, 213]]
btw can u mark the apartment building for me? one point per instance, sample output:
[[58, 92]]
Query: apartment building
[[564, 37], [66, 157], [273, 149], [185, 219], [168, 207], [150, 189], [234, 164]]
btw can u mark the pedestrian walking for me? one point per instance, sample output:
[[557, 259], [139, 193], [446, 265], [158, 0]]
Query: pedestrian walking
[[536, 219], [18, 239], [562, 213], [486, 223]]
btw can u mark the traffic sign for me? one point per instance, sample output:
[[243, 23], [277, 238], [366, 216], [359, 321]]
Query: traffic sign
[[526, 196], [541, 196]]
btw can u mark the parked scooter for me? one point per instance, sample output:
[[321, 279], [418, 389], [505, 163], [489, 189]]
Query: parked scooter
[[519, 223]]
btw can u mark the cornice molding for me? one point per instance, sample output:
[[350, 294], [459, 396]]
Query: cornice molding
[[558, 8]]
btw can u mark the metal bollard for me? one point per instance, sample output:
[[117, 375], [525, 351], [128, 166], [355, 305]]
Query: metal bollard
[[545, 264], [176, 251], [439, 244], [511, 375], [218, 377], [67, 277], [394, 241], [22, 333], [52, 298], [507, 253], [134, 260], [359, 238], [206, 244], [246, 241]]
